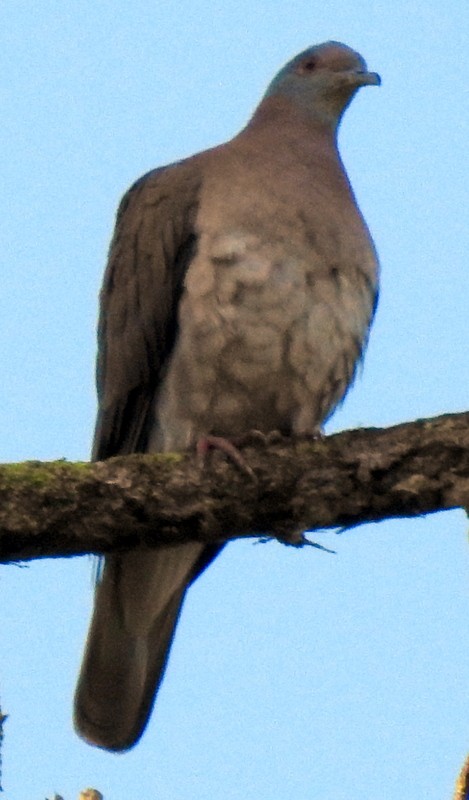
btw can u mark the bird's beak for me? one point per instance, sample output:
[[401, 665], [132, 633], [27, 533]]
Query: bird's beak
[[364, 78]]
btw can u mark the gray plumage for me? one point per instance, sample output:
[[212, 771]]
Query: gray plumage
[[239, 292]]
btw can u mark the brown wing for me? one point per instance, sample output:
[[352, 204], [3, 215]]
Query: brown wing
[[153, 244], [139, 596]]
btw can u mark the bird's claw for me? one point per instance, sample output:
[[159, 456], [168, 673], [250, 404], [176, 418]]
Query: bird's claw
[[206, 443]]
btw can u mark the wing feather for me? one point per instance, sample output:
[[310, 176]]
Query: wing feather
[[153, 244]]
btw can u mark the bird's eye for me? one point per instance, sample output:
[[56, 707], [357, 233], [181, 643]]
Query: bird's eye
[[307, 66]]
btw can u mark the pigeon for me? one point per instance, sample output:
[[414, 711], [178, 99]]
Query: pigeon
[[239, 292]]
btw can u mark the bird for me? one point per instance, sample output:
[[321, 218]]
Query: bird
[[239, 292]]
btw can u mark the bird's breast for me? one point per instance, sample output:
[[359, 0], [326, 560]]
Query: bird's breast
[[269, 336]]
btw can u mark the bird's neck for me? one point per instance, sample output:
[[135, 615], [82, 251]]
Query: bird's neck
[[283, 133], [281, 113]]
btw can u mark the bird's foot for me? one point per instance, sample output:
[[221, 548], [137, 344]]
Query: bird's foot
[[256, 436], [209, 442], [316, 435]]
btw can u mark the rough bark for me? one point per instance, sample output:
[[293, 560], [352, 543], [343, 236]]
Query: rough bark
[[62, 509]]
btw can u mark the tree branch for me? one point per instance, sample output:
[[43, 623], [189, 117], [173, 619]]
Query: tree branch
[[63, 509]]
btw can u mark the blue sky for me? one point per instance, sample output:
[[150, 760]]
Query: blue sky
[[294, 674]]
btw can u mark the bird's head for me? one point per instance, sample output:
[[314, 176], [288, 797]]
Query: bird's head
[[322, 80]]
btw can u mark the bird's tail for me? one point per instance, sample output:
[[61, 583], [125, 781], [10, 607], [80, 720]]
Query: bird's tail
[[137, 605]]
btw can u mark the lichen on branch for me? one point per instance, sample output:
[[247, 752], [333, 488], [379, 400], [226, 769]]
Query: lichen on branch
[[63, 509]]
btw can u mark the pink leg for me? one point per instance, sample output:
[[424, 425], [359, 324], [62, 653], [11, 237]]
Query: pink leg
[[206, 443]]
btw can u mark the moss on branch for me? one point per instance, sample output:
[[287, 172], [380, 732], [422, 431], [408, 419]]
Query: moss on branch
[[62, 509]]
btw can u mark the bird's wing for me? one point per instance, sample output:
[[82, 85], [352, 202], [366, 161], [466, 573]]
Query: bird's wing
[[153, 243], [140, 593]]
